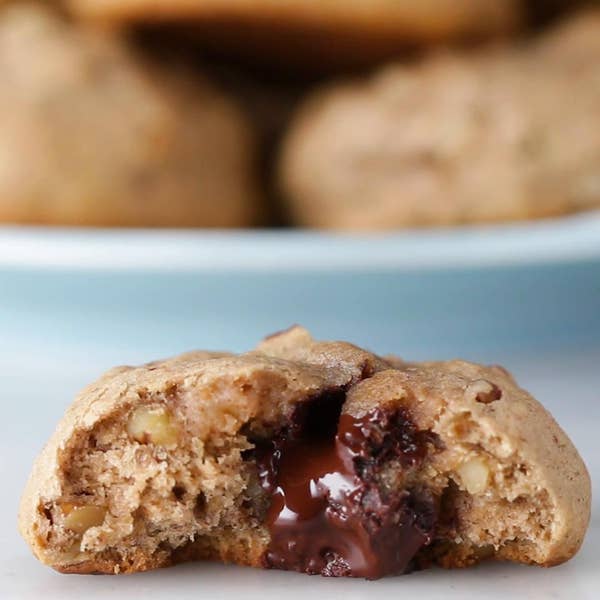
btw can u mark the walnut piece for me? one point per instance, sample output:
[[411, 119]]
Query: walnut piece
[[474, 475], [80, 518], [152, 426]]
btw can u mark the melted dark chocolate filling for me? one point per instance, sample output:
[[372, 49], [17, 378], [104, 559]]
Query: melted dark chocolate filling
[[329, 514]]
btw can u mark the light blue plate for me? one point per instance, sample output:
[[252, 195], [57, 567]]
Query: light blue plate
[[73, 303], [479, 292]]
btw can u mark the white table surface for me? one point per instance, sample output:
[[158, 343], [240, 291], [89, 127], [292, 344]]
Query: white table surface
[[34, 399]]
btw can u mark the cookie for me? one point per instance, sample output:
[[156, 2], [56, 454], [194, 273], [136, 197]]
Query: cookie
[[312, 32], [370, 466], [93, 133], [458, 138]]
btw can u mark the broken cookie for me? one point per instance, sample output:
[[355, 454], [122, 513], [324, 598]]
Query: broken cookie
[[318, 457]]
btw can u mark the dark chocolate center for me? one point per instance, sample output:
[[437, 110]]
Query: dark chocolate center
[[329, 513]]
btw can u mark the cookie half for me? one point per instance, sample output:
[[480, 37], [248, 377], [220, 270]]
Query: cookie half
[[94, 133], [488, 136], [318, 457]]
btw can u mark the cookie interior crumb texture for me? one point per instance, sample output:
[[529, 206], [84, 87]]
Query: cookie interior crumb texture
[[312, 456]]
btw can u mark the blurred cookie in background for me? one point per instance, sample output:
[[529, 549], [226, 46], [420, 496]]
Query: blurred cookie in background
[[507, 134], [576, 41], [541, 12], [92, 133], [270, 101], [268, 98], [314, 33]]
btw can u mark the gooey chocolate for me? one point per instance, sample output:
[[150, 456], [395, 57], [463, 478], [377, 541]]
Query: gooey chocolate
[[328, 512]]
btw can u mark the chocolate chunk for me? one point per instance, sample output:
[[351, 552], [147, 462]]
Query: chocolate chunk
[[329, 514]]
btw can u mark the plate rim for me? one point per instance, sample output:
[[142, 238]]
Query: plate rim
[[569, 239]]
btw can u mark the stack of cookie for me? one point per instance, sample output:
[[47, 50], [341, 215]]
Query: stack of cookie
[[192, 113]]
